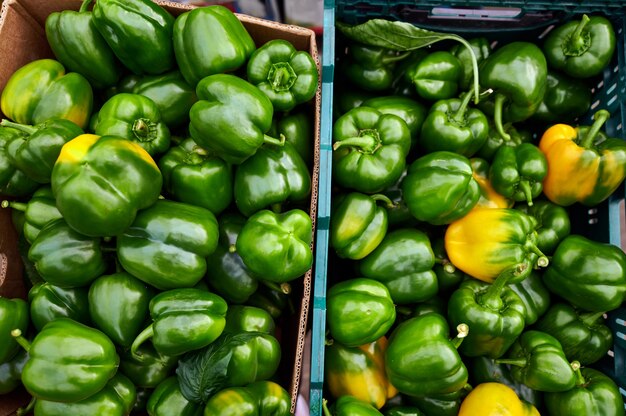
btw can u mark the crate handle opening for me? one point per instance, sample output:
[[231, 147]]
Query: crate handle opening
[[482, 13]]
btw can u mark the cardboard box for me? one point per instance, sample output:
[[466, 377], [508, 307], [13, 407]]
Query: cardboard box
[[23, 39]]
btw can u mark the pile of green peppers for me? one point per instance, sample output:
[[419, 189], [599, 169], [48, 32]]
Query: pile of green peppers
[[159, 174], [456, 283]]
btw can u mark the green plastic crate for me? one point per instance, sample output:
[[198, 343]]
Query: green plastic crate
[[497, 20]]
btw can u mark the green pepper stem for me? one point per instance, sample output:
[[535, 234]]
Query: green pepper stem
[[325, 408], [282, 288], [474, 63], [141, 338], [462, 332], [85, 6], [28, 409], [524, 185], [274, 141], [19, 206], [232, 248], [599, 118], [580, 379], [19, 338], [447, 265], [17, 126], [542, 261], [492, 297], [383, 198], [497, 116], [576, 40], [366, 143], [460, 113], [519, 362], [589, 319]]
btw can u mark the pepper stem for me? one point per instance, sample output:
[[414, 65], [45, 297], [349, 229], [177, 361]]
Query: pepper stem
[[527, 190], [519, 362], [497, 116], [599, 118], [274, 141], [580, 379], [141, 128], [19, 206], [283, 287], [447, 265], [576, 40], [85, 6], [491, 297], [542, 261], [325, 408], [367, 143], [459, 116], [590, 318], [383, 198], [232, 248], [28, 409], [462, 332], [17, 126], [19, 338], [141, 338]]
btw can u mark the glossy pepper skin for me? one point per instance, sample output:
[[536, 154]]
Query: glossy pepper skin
[[534, 295], [359, 372], [494, 313], [115, 399], [581, 48], [538, 361], [403, 262], [231, 117], [370, 67], [150, 369], [553, 223], [452, 126], [79, 46], [194, 176], [276, 247], [583, 164], [41, 90], [360, 311], [441, 404], [518, 172], [244, 318], [517, 72], [369, 150], [14, 314], [588, 274], [134, 117], [78, 361], [493, 399], [39, 211], [495, 141], [118, 306], [13, 182], [65, 257], [421, 360], [439, 188], [437, 76], [85, 165], [350, 406], [167, 244], [167, 399], [411, 111], [489, 197], [565, 99], [272, 176], [287, 76], [49, 302], [139, 32], [486, 242], [297, 127], [358, 224], [226, 273], [584, 336], [594, 393], [210, 40], [482, 50], [11, 372], [35, 153], [258, 398]]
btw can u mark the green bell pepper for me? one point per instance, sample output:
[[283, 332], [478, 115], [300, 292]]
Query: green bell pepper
[[447, 404], [272, 176], [134, 117], [260, 398], [41, 90], [553, 223], [65, 257], [11, 372], [452, 126], [398, 215], [589, 274], [68, 361], [358, 224], [167, 244], [439, 188], [117, 398], [403, 411], [370, 67], [39, 211], [192, 175], [495, 141], [277, 247], [421, 360], [242, 318], [49, 302], [210, 40], [489, 197], [437, 76], [35, 153], [538, 361], [275, 302], [13, 182], [565, 99], [518, 172], [118, 306], [297, 127], [167, 400], [534, 295], [13, 314], [403, 262], [369, 150], [583, 336], [594, 393], [226, 273], [231, 117], [143, 394], [448, 276], [288, 77], [494, 313], [139, 32], [402, 84], [517, 72], [90, 181], [482, 50], [581, 48], [350, 406], [79, 46], [183, 320], [359, 311], [347, 97], [150, 369]]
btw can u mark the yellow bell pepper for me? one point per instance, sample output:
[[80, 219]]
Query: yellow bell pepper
[[495, 399]]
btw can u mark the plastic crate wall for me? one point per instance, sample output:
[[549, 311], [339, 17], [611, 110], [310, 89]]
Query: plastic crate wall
[[498, 20]]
